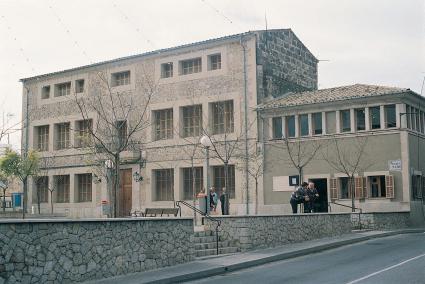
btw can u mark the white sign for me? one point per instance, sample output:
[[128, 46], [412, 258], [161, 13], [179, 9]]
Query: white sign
[[281, 183], [394, 165]]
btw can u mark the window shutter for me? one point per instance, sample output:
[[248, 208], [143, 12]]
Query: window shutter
[[334, 188], [389, 186], [365, 188], [358, 183], [421, 189]]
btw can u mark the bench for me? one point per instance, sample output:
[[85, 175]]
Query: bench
[[154, 212]]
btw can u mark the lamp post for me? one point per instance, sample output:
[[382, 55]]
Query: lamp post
[[206, 142]]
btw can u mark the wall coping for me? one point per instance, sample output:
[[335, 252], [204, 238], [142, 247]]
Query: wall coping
[[388, 212], [279, 215], [92, 220]]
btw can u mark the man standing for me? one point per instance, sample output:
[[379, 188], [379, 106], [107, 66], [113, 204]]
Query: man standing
[[311, 197], [298, 197]]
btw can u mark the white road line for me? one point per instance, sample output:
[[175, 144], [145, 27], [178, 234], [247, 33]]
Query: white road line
[[386, 269]]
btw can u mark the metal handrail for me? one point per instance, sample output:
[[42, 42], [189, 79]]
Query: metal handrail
[[177, 203], [343, 205]]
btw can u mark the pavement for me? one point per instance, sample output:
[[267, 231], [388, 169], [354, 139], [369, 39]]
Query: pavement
[[224, 264]]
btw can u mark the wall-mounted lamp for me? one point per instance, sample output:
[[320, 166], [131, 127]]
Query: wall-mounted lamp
[[96, 179], [137, 177]]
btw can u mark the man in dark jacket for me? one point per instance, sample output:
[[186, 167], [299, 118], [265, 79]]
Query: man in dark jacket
[[312, 195], [298, 197]]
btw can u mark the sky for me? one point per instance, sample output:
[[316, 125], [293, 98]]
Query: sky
[[360, 41]]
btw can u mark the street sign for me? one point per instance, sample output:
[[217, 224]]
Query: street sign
[[394, 165], [294, 180]]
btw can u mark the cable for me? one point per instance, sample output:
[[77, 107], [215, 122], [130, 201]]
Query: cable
[[221, 14]]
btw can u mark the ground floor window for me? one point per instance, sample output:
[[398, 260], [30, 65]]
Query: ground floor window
[[417, 186], [219, 179], [344, 189], [164, 185], [377, 186], [188, 177], [42, 187], [62, 188], [84, 182]]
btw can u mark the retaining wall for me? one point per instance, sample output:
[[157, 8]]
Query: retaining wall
[[381, 220]]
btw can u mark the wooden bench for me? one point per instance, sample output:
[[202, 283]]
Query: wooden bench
[[154, 212]]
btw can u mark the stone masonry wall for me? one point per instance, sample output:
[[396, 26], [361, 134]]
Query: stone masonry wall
[[381, 220], [71, 251], [254, 232]]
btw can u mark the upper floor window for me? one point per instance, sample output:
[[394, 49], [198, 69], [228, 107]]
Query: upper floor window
[[191, 66], [121, 128], [304, 129], [360, 119], [167, 70], [222, 117], [290, 126], [214, 62], [408, 117], [192, 120], [317, 123], [163, 121], [84, 187], [45, 92], [79, 86], [345, 120], [62, 89], [277, 127], [330, 122], [390, 116], [42, 133], [375, 117], [62, 135], [83, 133], [120, 78]]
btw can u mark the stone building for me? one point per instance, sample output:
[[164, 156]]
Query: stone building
[[373, 133], [210, 87]]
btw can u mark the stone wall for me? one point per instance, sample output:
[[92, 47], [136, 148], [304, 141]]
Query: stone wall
[[64, 251], [381, 220], [254, 232]]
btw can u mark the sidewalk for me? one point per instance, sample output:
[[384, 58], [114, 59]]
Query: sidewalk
[[221, 264]]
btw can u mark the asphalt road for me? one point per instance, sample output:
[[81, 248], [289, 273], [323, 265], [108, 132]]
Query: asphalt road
[[397, 259]]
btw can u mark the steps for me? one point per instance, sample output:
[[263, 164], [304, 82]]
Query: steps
[[206, 245]]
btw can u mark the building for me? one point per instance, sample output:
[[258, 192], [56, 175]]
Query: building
[[210, 86], [375, 132]]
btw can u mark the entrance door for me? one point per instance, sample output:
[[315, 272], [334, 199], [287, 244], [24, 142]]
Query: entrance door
[[125, 195], [322, 188]]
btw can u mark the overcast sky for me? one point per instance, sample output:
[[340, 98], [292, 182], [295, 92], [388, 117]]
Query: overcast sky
[[372, 42]]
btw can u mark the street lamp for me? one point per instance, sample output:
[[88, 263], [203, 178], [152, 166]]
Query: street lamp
[[206, 142]]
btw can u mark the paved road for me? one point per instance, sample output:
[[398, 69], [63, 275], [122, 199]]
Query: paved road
[[396, 259]]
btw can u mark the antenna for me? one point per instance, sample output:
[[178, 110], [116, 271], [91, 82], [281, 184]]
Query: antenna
[[265, 18]]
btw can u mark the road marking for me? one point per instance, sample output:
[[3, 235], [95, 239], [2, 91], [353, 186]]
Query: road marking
[[386, 269]]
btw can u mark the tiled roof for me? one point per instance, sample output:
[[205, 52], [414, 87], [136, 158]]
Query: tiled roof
[[330, 95]]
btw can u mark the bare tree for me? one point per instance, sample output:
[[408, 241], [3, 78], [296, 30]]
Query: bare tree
[[118, 117], [348, 158]]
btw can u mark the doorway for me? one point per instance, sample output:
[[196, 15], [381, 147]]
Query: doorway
[[321, 204], [125, 195]]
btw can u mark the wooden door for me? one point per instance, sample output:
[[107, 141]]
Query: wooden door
[[125, 195]]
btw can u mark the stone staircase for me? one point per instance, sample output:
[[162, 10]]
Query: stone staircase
[[205, 244]]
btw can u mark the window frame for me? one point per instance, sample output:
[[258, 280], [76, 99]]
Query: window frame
[[187, 176], [122, 78], [371, 117], [63, 136], [43, 138], [362, 112], [291, 132], [222, 121], [167, 70], [192, 120], [84, 187], [314, 122], [214, 62], [163, 124], [63, 189], [341, 117], [62, 89], [277, 131], [166, 192], [79, 86], [303, 121], [218, 180], [394, 122], [191, 66]]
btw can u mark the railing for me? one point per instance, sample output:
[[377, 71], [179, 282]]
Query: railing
[[347, 206], [177, 203]]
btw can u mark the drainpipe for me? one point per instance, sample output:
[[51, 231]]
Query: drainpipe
[[25, 181], [246, 127]]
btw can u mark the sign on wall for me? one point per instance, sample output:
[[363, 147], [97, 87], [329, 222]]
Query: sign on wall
[[281, 183], [394, 165]]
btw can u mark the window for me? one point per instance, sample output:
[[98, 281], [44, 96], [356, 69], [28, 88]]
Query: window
[[417, 186], [390, 116], [408, 118], [63, 89], [377, 186], [164, 185], [83, 133], [360, 119], [375, 117], [331, 122], [219, 179], [214, 62], [222, 118], [317, 123], [303, 124], [344, 188], [167, 70], [191, 66], [345, 120], [277, 128], [62, 188], [79, 86], [192, 120], [84, 182], [45, 92], [290, 126], [43, 189], [62, 134], [122, 132], [421, 118], [417, 118], [163, 124], [121, 78], [42, 138], [188, 177]]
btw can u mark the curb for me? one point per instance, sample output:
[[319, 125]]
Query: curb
[[278, 257]]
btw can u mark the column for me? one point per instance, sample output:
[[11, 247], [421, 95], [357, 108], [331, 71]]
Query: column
[[352, 120], [324, 129], [401, 120], [382, 116], [284, 126], [367, 118], [338, 121], [297, 126], [310, 124]]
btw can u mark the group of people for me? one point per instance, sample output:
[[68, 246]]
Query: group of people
[[305, 194], [224, 202]]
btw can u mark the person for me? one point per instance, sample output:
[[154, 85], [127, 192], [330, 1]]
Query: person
[[224, 202], [213, 199], [311, 197], [298, 197]]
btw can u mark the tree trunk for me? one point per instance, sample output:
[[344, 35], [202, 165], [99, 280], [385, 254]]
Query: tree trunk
[[193, 189], [51, 200], [256, 195], [116, 175], [351, 187], [24, 198], [4, 199], [300, 175], [38, 200], [226, 176]]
